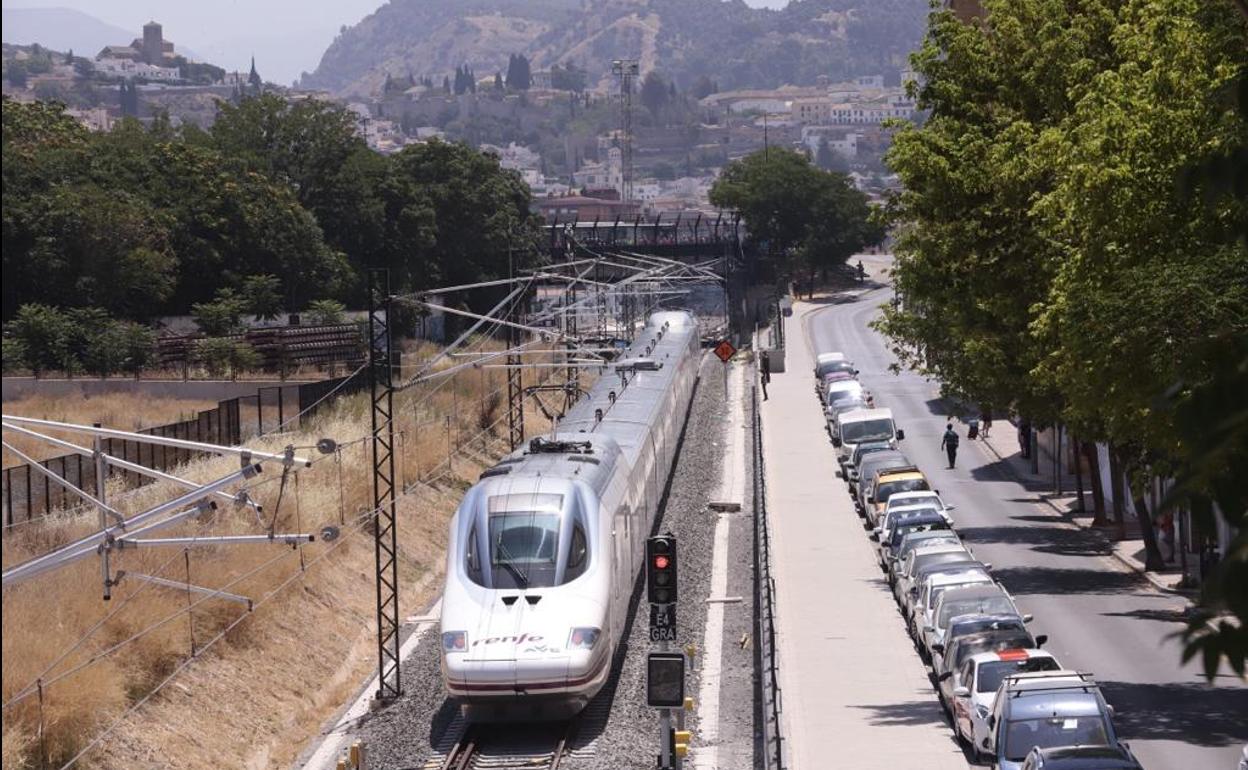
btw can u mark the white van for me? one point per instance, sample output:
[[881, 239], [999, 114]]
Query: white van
[[854, 427]]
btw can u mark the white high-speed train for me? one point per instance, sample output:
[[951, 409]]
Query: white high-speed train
[[545, 549]]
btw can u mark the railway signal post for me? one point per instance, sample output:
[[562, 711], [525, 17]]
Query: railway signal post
[[665, 671]]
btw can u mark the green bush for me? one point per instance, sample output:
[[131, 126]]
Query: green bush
[[45, 333], [322, 312], [220, 317], [14, 354], [221, 356]]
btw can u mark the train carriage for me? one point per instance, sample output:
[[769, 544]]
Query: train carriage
[[545, 549]]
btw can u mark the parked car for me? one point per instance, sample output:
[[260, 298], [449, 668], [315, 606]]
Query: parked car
[[864, 425], [831, 362], [935, 585], [1089, 758], [990, 599], [862, 450], [920, 496], [971, 689], [1046, 710], [911, 600], [930, 521], [886, 483], [870, 464], [898, 516], [915, 554]]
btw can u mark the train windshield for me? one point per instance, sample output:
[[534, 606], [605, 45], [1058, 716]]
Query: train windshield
[[523, 547], [519, 543]]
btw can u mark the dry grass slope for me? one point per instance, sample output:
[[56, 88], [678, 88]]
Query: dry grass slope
[[255, 697], [124, 411]]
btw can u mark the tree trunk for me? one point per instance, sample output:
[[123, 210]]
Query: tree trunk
[[1152, 553], [1098, 492], [1115, 478], [1078, 461]]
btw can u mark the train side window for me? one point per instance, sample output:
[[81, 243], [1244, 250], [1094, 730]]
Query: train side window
[[578, 555], [473, 558]]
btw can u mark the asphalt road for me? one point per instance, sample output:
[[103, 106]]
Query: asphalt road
[[1100, 616]]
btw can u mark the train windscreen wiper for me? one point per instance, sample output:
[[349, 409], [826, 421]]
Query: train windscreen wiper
[[521, 580]]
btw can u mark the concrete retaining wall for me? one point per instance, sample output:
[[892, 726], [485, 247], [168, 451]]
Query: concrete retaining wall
[[199, 390]]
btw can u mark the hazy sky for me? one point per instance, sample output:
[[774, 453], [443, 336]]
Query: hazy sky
[[286, 36]]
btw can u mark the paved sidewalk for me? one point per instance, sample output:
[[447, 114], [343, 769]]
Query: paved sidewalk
[[855, 694], [1129, 550]]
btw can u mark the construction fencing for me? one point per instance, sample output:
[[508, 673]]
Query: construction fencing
[[28, 494]]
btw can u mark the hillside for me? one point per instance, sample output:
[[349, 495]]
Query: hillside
[[62, 29], [66, 29], [726, 40]]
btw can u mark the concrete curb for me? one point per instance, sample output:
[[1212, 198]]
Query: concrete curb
[[1131, 564]]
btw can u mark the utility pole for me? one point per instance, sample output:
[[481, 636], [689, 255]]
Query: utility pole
[[626, 70], [515, 376], [385, 533]]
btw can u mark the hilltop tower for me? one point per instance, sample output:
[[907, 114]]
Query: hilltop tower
[[153, 43]]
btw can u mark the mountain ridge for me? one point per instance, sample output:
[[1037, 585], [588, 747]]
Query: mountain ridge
[[724, 40]]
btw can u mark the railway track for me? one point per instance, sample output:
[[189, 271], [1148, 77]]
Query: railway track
[[508, 747]]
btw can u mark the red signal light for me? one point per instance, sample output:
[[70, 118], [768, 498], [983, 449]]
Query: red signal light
[[661, 562]]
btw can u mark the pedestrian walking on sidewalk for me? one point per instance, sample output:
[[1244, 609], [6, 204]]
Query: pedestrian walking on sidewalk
[[985, 421], [972, 429], [765, 370], [949, 443]]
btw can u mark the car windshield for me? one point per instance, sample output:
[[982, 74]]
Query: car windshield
[[1023, 734], [836, 396], [834, 366], [968, 627], [923, 561], [992, 605], [896, 517], [990, 674], [938, 590], [865, 449], [888, 488], [908, 528], [867, 430]]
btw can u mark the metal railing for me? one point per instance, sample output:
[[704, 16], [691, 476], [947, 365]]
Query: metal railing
[[774, 748]]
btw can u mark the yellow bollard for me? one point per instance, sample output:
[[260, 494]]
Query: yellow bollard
[[357, 755], [683, 739], [689, 704]]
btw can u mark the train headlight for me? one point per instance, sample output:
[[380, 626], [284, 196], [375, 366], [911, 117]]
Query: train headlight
[[583, 638], [454, 641]]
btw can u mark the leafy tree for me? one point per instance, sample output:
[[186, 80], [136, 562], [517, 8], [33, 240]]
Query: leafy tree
[[15, 72], [1052, 257], [220, 317], [14, 354], [108, 249], [703, 87], [45, 333], [262, 296], [567, 78], [519, 75], [654, 92], [324, 312], [222, 356], [811, 218]]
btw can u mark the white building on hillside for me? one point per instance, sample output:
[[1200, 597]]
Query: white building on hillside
[[129, 69]]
